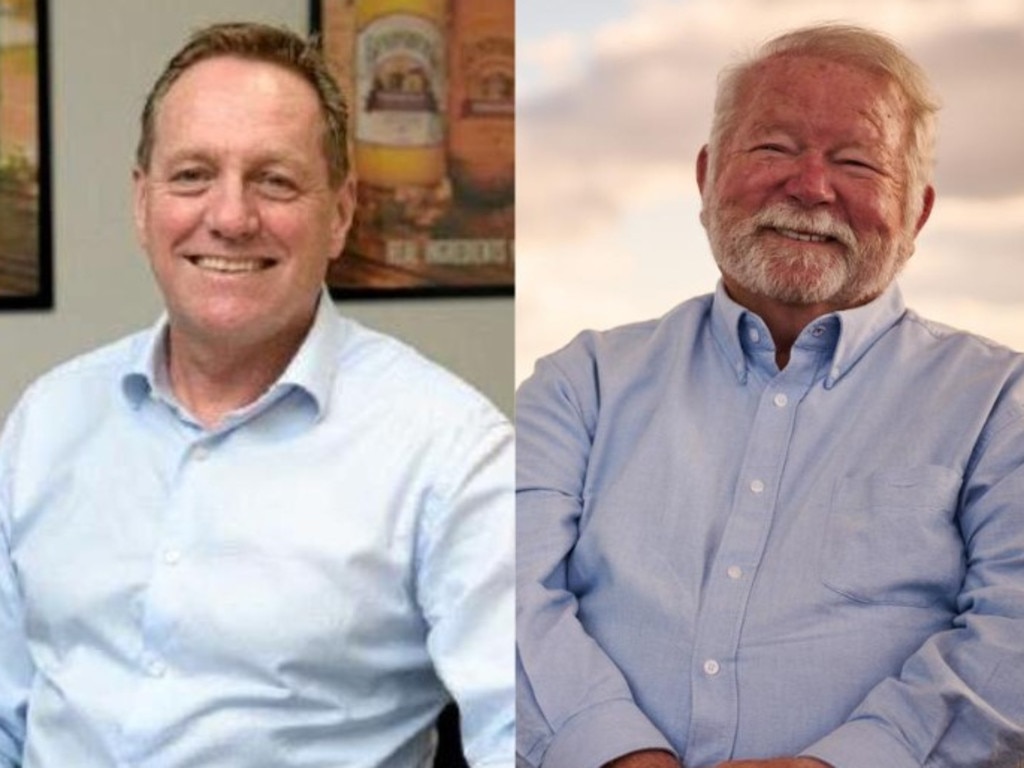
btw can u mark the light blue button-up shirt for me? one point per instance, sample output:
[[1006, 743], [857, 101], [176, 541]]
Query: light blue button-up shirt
[[731, 561], [302, 586]]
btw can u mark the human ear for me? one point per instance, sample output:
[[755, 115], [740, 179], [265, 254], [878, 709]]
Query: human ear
[[702, 169], [926, 208]]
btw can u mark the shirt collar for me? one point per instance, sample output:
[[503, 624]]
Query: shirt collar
[[311, 370], [146, 374], [314, 367], [846, 335]]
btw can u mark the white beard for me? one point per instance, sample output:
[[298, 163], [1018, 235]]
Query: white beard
[[842, 270]]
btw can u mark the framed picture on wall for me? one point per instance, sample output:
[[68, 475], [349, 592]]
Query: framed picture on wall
[[431, 91], [26, 268]]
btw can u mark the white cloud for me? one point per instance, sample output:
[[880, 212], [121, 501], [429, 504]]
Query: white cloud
[[982, 216], [551, 63]]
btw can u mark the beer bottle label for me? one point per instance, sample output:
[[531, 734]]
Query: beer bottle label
[[400, 87], [489, 67]]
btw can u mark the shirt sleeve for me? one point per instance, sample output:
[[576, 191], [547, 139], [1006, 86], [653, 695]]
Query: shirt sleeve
[[16, 668], [575, 709], [465, 584], [959, 700]]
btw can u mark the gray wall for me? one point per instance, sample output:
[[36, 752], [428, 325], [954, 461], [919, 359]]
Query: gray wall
[[104, 56]]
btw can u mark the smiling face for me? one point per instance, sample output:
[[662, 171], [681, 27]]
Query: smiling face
[[806, 201], [235, 209]]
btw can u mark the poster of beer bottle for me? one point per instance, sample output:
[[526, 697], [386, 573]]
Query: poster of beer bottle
[[431, 92]]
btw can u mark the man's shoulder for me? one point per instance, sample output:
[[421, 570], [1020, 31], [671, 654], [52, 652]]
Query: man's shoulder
[[71, 398], [943, 338], [82, 373], [373, 364], [960, 363], [631, 342]]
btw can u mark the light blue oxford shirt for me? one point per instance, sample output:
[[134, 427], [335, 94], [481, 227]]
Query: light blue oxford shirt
[[302, 586], [731, 561]]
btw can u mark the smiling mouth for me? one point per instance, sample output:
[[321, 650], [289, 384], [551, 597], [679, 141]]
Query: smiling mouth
[[230, 266], [803, 237]]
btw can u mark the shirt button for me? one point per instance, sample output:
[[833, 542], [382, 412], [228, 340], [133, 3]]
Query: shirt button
[[200, 453], [734, 572], [753, 335], [172, 556], [817, 330], [156, 668], [757, 486], [780, 400], [711, 667]]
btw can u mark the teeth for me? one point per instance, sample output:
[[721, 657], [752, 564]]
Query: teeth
[[803, 236], [215, 264]]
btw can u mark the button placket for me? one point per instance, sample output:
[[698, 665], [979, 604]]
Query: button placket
[[161, 606], [717, 639]]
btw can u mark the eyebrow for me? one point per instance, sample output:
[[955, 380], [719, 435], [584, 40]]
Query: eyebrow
[[259, 160], [760, 130]]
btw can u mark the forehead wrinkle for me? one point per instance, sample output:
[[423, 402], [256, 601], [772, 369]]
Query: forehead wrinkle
[[789, 130], [261, 158], [884, 114], [227, 82]]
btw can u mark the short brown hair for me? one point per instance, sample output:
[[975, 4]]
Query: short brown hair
[[264, 43]]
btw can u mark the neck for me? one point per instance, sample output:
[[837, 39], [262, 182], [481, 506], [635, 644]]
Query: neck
[[784, 321], [213, 378]]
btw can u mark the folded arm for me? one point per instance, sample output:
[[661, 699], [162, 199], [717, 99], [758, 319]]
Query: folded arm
[[465, 586], [575, 708], [16, 668]]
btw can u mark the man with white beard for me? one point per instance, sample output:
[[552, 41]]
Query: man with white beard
[[781, 526]]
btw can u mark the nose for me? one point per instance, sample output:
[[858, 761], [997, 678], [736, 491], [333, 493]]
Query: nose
[[810, 182], [232, 213]]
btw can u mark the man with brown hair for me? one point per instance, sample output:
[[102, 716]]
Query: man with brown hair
[[257, 534], [782, 525]]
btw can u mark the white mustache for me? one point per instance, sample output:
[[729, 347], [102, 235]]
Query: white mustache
[[821, 223]]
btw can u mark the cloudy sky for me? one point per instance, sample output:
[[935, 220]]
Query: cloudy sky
[[614, 101]]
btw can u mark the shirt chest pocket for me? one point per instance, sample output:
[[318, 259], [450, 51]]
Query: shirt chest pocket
[[892, 538]]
